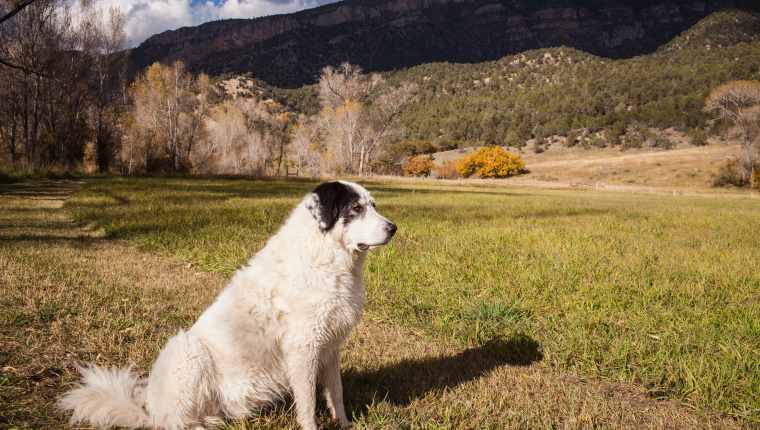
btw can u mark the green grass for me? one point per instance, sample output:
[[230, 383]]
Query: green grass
[[656, 290]]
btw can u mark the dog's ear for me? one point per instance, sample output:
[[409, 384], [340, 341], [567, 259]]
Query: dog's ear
[[328, 201]]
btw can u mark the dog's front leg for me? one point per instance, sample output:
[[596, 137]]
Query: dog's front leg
[[334, 388], [302, 364]]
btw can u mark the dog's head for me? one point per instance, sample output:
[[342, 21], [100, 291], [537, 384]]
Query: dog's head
[[348, 211]]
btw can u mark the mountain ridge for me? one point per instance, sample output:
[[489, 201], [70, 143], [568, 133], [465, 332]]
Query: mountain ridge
[[289, 50]]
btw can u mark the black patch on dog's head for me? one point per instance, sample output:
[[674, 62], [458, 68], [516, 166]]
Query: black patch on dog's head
[[332, 199]]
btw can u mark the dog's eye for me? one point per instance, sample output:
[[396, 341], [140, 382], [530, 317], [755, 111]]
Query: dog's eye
[[357, 208]]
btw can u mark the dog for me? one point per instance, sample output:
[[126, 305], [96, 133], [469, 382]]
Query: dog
[[276, 329]]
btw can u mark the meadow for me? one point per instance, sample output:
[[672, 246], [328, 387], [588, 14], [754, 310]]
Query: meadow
[[653, 294]]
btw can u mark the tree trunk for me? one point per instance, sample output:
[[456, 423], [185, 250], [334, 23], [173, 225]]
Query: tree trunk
[[12, 145], [361, 161], [282, 155]]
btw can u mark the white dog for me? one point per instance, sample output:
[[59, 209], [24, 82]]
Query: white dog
[[275, 329]]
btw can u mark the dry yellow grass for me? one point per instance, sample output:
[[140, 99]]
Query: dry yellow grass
[[683, 167], [68, 294], [686, 167]]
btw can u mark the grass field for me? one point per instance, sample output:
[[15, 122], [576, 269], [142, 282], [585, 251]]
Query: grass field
[[570, 304], [685, 167]]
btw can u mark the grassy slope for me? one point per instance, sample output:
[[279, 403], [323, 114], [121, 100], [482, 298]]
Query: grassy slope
[[654, 290]]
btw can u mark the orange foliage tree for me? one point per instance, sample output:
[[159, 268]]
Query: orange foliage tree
[[420, 165], [491, 162]]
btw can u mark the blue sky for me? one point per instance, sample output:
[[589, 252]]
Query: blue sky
[[148, 17]]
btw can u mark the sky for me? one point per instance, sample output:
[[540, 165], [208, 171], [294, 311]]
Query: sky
[[148, 17]]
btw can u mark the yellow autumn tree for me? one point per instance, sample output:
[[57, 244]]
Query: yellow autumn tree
[[168, 111], [491, 162]]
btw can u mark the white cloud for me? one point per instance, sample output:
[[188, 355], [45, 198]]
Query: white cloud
[[148, 17]]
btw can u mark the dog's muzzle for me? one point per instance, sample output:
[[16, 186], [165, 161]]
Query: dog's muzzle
[[390, 231]]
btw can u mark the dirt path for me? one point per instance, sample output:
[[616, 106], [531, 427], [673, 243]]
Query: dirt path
[[68, 294]]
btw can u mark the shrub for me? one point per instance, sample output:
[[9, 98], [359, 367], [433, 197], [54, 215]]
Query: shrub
[[597, 141], [490, 162], [697, 136], [447, 170], [662, 142], [633, 140], [420, 165], [538, 147], [615, 132], [572, 138], [732, 173]]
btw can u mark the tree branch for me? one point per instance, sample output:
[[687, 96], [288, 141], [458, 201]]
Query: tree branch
[[21, 68], [19, 7]]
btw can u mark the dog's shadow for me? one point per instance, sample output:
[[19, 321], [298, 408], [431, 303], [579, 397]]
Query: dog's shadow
[[404, 381]]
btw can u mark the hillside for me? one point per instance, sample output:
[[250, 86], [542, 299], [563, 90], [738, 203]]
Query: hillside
[[718, 30], [551, 92], [546, 93], [290, 50]]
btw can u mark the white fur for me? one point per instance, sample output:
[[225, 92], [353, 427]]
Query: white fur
[[275, 330]]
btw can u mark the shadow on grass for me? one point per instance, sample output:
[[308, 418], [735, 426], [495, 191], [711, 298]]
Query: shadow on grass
[[403, 382], [220, 188], [476, 213], [379, 187], [49, 239], [38, 189]]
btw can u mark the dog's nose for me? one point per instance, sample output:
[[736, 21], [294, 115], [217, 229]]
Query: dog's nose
[[391, 228]]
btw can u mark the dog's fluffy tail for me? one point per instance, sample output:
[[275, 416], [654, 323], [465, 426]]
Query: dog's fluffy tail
[[107, 398]]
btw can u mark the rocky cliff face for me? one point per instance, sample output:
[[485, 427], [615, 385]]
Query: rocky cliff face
[[290, 50]]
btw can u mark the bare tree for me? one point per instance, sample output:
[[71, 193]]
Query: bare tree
[[224, 151], [46, 116], [25, 41], [306, 150], [105, 40], [245, 136], [358, 116], [12, 9], [169, 109], [346, 83], [739, 103]]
